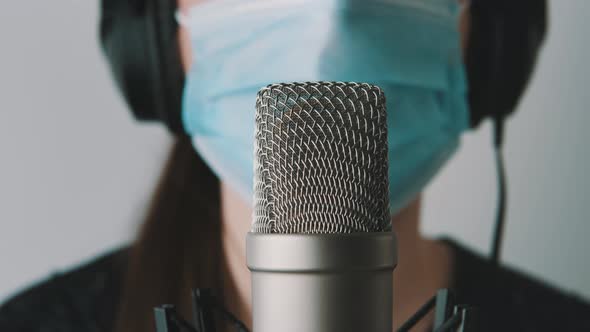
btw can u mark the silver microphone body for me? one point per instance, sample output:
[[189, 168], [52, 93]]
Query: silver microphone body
[[321, 250], [338, 283]]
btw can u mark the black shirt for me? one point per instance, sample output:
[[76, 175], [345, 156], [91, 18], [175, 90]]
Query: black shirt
[[86, 298]]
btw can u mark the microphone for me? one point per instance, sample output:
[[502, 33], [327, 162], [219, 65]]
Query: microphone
[[321, 249]]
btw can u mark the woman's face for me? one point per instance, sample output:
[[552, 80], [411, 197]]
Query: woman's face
[[186, 52]]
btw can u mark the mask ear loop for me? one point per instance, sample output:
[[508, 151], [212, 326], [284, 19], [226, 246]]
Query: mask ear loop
[[502, 190]]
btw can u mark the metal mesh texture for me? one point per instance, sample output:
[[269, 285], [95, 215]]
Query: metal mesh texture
[[321, 159]]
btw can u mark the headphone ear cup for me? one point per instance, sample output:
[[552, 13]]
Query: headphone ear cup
[[504, 42], [168, 69], [124, 43], [139, 41]]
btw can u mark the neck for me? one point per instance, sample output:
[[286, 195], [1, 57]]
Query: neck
[[423, 265]]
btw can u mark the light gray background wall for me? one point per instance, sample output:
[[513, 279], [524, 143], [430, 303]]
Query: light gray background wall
[[76, 170]]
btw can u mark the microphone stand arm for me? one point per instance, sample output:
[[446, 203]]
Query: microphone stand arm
[[447, 315], [204, 302]]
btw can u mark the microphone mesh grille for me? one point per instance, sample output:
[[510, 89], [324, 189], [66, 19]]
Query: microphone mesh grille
[[320, 159]]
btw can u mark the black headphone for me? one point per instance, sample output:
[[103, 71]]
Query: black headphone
[[140, 40], [505, 39]]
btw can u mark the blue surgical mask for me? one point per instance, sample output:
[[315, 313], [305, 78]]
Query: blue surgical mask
[[410, 48]]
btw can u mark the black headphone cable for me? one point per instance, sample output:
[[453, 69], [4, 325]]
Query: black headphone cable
[[498, 136]]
